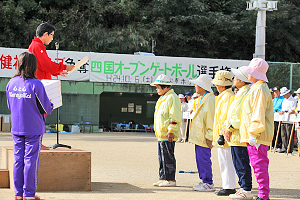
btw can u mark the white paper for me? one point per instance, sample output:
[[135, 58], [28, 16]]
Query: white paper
[[293, 118], [79, 64], [186, 115], [53, 90], [276, 117]]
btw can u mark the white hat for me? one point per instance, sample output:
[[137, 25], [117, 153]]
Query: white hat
[[161, 80], [195, 95], [298, 91], [284, 91], [203, 81], [181, 96], [241, 74]]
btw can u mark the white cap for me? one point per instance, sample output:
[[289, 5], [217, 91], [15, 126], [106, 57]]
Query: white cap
[[181, 96], [195, 95]]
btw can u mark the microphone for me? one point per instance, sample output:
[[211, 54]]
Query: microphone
[[57, 45]]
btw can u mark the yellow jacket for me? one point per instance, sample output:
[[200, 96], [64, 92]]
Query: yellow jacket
[[234, 117], [203, 121], [257, 115], [222, 106], [167, 116]]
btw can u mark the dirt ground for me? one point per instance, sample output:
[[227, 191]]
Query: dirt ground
[[124, 166]]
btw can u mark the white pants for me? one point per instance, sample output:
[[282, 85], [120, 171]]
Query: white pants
[[226, 168], [182, 130]]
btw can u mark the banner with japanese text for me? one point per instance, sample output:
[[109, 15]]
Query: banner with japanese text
[[9, 58], [125, 68], [120, 68]]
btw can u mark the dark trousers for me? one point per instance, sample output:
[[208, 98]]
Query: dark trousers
[[167, 161], [279, 141], [285, 135], [242, 166]]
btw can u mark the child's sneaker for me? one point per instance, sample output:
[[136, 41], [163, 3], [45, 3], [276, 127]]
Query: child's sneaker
[[241, 194], [167, 184], [158, 182], [204, 187], [32, 198], [18, 198]]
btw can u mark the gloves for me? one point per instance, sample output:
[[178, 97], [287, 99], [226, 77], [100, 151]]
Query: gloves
[[252, 140]]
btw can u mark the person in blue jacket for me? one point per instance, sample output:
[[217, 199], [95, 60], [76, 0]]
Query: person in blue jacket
[[28, 101]]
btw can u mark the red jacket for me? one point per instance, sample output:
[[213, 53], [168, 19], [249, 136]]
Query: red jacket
[[46, 67]]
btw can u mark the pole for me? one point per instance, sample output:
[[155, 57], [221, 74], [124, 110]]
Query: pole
[[260, 33], [57, 111], [291, 76], [278, 129], [292, 134]]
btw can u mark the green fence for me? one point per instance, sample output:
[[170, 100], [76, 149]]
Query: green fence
[[284, 75]]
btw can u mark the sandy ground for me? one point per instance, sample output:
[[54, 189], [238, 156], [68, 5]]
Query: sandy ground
[[124, 166]]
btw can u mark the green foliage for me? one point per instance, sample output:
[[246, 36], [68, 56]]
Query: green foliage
[[193, 28]]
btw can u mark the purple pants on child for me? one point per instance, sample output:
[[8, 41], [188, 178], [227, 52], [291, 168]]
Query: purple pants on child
[[26, 163], [204, 164], [260, 163]]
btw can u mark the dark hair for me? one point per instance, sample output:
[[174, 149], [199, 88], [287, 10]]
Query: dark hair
[[165, 86], [43, 28], [228, 86], [27, 65]]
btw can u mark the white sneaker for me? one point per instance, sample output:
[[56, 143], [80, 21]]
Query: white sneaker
[[167, 184], [204, 187], [241, 194], [158, 182], [197, 186]]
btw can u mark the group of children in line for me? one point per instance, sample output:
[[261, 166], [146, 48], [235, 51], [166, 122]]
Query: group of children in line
[[241, 126]]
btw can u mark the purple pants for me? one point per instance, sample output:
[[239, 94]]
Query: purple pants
[[25, 170], [204, 164], [260, 163]]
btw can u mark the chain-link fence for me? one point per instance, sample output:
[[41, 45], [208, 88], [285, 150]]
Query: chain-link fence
[[284, 75]]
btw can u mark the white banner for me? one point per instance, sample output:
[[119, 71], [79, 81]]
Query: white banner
[[9, 58], [138, 69], [125, 68]]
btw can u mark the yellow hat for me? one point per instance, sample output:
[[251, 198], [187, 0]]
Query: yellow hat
[[223, 78]]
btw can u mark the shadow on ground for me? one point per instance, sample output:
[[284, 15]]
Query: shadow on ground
[[105, 187], [277, 193]]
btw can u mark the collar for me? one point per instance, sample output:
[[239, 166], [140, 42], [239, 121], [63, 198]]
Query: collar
[[36, 39]]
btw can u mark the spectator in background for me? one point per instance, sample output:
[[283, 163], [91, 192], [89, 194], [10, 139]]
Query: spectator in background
[[297, 125], [188, 96], [289, 106], [167, 119], [216, 93], [184, 108], [235, 90], [195, 97], [277, 104], [272, 93]]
